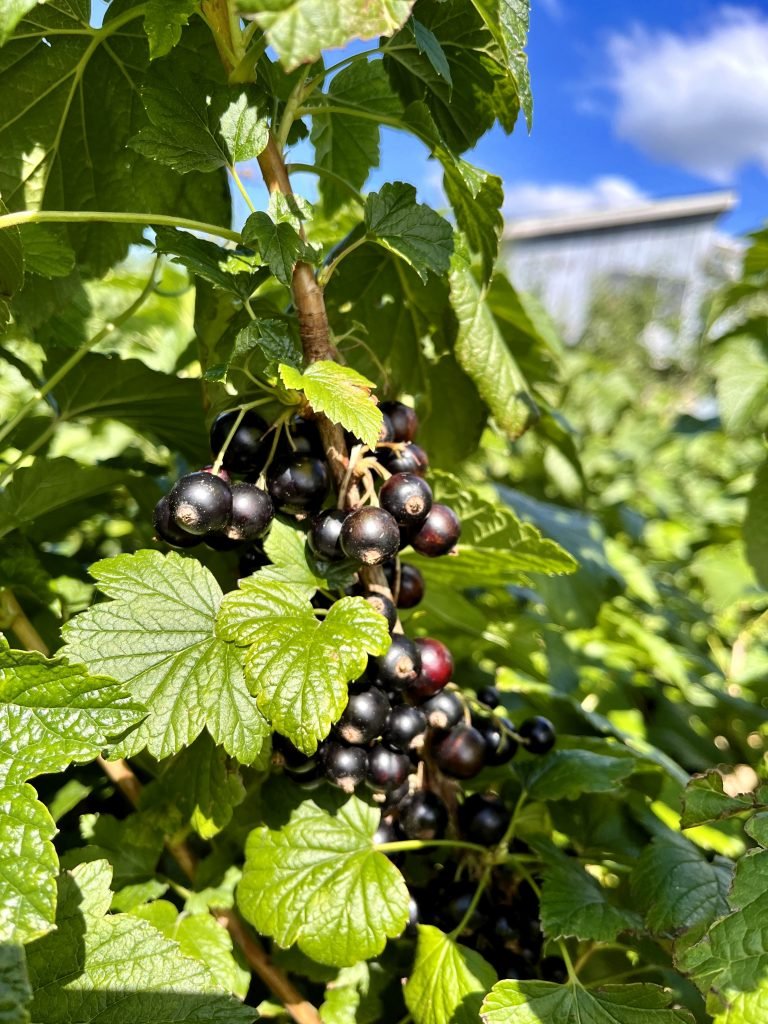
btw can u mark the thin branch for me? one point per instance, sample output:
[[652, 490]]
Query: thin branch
[[12, 617], [9, 220]]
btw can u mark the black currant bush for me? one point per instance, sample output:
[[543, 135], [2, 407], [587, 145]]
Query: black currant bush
[[336, 654]]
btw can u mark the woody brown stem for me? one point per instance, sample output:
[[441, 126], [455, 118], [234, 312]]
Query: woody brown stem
[[12, 617]]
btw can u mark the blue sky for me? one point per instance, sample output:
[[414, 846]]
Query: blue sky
[[632, 100]]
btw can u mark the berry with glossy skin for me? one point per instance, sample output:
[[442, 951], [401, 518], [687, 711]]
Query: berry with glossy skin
[[364, 716], [454, 909], [247, 451], [405, 422], [252, 512], [220, 542], [400, 665], [394, 797], [387, 769], [537, 735], [382, 604], [385, 833], [304, 439], [444, 710], [411, 586], [345, 766], [424, 816], [167, 530], [489, 696], [299, 483], [484, 819], [200, 503], [436, 666], [411, 929], [411, 459], [324, 535], [439, 533], [500, 744], [369, 535], [407, 498], [404, 728], [461, 752], [286, 755]]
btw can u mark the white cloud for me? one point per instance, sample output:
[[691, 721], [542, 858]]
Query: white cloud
[[553, 8], [697, 101], [528, 199]]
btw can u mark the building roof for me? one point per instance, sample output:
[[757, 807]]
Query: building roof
[[708, 204]]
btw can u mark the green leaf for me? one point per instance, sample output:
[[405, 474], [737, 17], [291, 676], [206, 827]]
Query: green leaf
[[542, 1002], [346, 145], [448, 980], [263, 345], [299, 667], [50, 484], [116, 968], [204, 786], [15, 993], [566, 774], [345, 993], [163, 22], [340, 392], [28, 866], [476, 197], [483, 354], [197, 124], [741, 372], [705, 800], [157, 637], [11, 14], [318, 881], [574, 904], [230, 269], [301, 29], [46, 251], [428, 44], [280, 245], [677, 887], [11, 258], [508, 22], [412, 230], [756, 525], [293, 563]]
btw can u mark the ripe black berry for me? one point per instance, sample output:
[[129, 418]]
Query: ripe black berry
[[500, 744], [489, 696], [454, 909], [407, 498], [369, 535], [404, 420], [394, 797], [286, 755], [304, 439], [461, 752], [247, 451], [400, 665], [413, 918], [411, 586], [411, 459], [167, 530], [200, 503], [324, 535], [385, 833], [405, 725], [387, 769], [382, 604], [221, 542], [344, 766], [484, 819], [364, 716], [252, 512], [537, 735], [424, 816], [299, 483], [444, 710], [439, 534], [436, 668]]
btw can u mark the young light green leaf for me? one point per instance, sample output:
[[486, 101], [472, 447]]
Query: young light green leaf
[[117, 968], [28, 866], [574, 904], [234, 271], [53, 713], [299, 667], [163, 22], [15, 993], [318, 881], [508, 22], [204, 786], [280, 245], [343, 394], [11, 14], [412, 230], [157, 637], [542, 1002], [292, 562], [756, 525], [345, 993], [741, 373], [677, 886], [448, 980], [301, 29], [705, 800]]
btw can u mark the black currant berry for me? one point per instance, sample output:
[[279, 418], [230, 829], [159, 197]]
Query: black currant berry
[[382, 604], [410, 459], [400, 665], [405, 422], [247, 451], [221, 542], [324, 535], [200, 503], [537, 735], [407, 498], [252, 512], [387, 769], [461, 752], [411, 586], [167, 530], [444, 710], [393, 798], [424, 816], [454, 910], [404, 728], [286, 755], [484, 819], [439, 534], [411, 929], [304, 439], [309, 778], [344, 766], [385, 833], [489, 696], [299, 483], [369, 535], [364, 716], [500, 744], [436, 668]]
